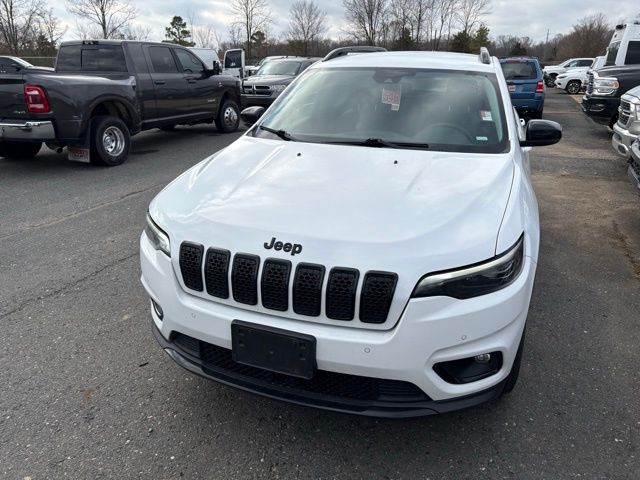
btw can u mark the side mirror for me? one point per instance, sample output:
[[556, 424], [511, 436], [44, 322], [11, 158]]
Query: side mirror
[[216, 68], [540, 133], [251, 115]]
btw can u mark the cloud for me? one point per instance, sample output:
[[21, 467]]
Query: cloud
[[532, 18]]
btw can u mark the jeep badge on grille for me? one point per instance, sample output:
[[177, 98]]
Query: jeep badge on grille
[[294, 248]]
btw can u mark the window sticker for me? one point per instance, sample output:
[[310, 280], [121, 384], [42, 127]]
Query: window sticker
[[486, 116], [482, 139], [392, 95]]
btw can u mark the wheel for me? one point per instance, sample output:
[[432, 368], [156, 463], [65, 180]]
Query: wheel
[[168, 128], [19, 150], [110, 141], [573, 87], [551, 80], [229, 117], [512, 379]]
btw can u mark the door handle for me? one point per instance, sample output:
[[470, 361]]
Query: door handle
[[191, 80], [159, 82]]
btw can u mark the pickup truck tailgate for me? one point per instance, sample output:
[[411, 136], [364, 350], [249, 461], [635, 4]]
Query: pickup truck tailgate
[[12, 103]]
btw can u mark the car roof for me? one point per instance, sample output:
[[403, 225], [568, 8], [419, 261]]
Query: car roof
[[435, 60]]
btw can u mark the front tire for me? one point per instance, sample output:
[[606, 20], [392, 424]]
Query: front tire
[[551, 80], [110, 141], [19, 150], [228, 119], [573, 87]]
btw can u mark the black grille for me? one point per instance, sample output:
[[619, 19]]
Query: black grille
[[275, 284], [216, 272], [191, 265], [307, 289], [244, 278], [218, 362], [341, 293], [377, 293], [590, 83]]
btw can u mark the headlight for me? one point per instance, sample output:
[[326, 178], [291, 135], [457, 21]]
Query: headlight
[[564, 75], [605, 86], [157, 237], [278, 88], [474, 280]]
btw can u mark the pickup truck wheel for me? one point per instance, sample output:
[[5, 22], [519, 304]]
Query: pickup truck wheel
[[229, 117], [110, 141], [573, 87], [19, 150]]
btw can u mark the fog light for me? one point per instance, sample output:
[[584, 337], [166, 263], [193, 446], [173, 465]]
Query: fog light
[[483, 358], [469, 369], [158, 309]]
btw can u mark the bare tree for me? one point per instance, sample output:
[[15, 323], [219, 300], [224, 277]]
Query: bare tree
[[109, 16], [365, 18], [471, 12], [306, 23], [589, 37], [205, 36], [253, 15], [48, 25], [17, 21], [136, 32]]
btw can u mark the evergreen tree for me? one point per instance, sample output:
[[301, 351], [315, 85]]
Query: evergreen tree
[[178, 33]]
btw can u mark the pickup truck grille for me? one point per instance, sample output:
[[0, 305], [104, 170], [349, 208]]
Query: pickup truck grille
[[263, 90], [625, 112], [241, 277], [590, 83]]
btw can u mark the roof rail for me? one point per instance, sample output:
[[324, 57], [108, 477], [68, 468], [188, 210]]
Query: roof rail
[[484, 56], [340, 52]]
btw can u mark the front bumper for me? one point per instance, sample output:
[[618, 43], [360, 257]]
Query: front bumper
[[601, 109], [622, 140], [21, 130], [257, 100], [430, 331]]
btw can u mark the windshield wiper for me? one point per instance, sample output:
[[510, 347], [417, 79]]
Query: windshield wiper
[[381, 143], [279, 133]]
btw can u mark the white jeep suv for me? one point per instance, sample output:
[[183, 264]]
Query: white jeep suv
[[368, 246]]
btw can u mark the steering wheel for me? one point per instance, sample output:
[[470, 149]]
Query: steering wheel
[[450, 126]]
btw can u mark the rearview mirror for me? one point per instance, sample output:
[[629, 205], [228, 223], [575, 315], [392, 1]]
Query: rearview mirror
[[540, 133], [251, 115]]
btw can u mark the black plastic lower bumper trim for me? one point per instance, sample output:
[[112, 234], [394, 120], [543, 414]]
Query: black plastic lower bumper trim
[[378, 408]]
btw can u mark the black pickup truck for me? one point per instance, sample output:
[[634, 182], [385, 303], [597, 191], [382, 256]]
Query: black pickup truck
[[103, 92], [604, 89]]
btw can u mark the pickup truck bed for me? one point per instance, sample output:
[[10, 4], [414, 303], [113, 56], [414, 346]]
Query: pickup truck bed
[[103, 92]]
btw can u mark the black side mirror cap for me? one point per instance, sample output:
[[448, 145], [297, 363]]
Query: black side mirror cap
[[540, 133], [251, 115], [216, 68]]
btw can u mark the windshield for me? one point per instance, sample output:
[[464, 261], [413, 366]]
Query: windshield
[[436, 109], [519, 70], [280, 68], [612, 53]]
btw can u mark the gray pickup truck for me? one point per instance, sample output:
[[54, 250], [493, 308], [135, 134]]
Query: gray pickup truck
[[103, 92]]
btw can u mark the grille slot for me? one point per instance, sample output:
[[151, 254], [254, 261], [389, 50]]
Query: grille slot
[[341, 293], [275, 284], [244, 278], [191, 265], [307, 289], [216, 272], [376, 297], [590, 83]]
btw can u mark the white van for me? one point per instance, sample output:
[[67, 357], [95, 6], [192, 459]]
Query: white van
[[624, 48]]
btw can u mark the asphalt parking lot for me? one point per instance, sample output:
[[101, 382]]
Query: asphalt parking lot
[[87, 393]]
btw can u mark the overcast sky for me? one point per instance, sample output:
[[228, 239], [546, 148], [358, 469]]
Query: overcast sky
[[509, 17]]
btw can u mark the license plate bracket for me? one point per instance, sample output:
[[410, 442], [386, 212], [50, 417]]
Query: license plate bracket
[[273, 349]]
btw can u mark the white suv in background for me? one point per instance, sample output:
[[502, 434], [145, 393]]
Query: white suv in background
[[552, 71], [575, 80], [368, 246]]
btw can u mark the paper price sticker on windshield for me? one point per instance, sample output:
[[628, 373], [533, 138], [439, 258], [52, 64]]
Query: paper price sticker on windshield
[[486, 116], [392, 95]]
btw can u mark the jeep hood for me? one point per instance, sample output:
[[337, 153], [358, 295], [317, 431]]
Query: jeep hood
[[366, 208], [268, 79]]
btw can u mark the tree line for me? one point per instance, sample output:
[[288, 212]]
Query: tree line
[[30, 28]]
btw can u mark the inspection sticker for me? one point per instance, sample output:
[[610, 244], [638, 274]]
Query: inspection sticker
[[486, 116], [392, 95]]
